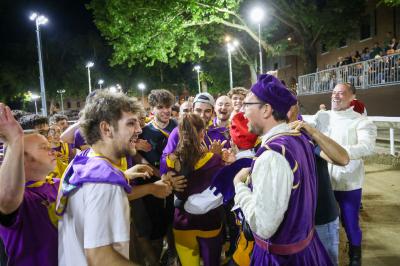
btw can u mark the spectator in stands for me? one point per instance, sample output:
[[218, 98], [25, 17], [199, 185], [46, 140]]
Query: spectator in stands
[[377, 50], [356, 57], [341, 61], [322, 107], [365, 55], [392, 46], [387, 39]]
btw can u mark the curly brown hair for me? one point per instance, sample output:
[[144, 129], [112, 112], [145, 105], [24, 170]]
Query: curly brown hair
[[161, 97], [105, 106], [238, 90], [189, 149]]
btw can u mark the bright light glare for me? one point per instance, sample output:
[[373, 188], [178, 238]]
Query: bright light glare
[[257, 14], [141, 86], [89, 64], [41, 20], [101, 82], [228, 38], [197, 67], [235, 43], [35, 96], [113, 89], [33, 16]]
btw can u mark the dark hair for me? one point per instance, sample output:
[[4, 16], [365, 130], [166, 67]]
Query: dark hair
[[32, 120], [54, 119], [161, 97], [278, 116], [175, 108], [105, 106], [238, 90], [189, 149]]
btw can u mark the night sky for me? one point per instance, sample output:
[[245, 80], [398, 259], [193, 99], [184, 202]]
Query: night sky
[[66, 18]]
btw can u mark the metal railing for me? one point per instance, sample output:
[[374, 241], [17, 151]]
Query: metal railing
[[363, 75]]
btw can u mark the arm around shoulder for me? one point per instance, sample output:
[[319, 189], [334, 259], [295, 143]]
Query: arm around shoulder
[[106, 255]]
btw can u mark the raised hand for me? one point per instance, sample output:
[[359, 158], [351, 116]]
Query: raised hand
[[216, 146], [10, 129], [139, 171]]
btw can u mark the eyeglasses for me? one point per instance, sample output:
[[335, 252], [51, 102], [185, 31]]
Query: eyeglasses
[[250, 103]]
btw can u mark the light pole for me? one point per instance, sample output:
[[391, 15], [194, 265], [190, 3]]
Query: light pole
[[142, 87], [198, 68], [34, 97], [61, 92], [88, 66], [40, 20], [100, 82], [257, 14], [231, 45]]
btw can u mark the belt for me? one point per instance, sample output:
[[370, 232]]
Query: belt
[[287, 249]]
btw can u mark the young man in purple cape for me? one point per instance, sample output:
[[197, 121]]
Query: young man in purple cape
[[93, 200], [27, 198], [279, 202]]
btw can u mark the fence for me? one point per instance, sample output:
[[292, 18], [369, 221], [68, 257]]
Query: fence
[[363, 75]]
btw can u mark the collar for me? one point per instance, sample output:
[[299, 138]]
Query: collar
[[280, 128], [349, 112]]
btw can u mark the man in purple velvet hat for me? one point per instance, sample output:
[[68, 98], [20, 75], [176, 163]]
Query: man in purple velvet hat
[[280, 201], [28, 224]]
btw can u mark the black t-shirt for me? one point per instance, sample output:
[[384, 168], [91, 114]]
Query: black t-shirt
[[158, 140], [327, 210]]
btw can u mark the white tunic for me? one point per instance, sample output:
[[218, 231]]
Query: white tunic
[[272, 180], [357, 135]]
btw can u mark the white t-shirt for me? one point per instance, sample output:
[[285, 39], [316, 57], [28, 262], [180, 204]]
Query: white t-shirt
[[97, 215]]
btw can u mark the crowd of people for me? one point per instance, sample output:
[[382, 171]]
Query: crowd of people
[[240, 180]]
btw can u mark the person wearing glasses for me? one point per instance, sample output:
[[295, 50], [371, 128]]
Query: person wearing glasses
[[28, 224], [279, 199]]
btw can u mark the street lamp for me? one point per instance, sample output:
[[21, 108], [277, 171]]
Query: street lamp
[[256, 15], [142, 87], [100, 82], [34, 97], [61, 92], [231, 45], [198, 69], [88, 66], [40, 20]]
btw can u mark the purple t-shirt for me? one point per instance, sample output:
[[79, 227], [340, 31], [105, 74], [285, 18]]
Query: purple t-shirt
[[30, 234]]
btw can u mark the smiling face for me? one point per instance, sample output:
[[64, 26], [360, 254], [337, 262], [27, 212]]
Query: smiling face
[[40, 159], [237, 101], [126, 135], [223, 108], [254, 113], [162, 113], [204, 110], [341, 97]]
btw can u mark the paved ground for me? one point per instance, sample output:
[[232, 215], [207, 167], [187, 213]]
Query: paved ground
[[380, 218]]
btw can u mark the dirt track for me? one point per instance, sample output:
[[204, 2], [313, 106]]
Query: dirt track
[[380, 218]]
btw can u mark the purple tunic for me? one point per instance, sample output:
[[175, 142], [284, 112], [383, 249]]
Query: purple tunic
[[198, 181], [298, 221], [213, 133], [31, 236]]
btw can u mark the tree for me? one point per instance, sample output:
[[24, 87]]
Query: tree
[[391, 2]]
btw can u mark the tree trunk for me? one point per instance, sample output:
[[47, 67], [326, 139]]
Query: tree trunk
[[310, 57]]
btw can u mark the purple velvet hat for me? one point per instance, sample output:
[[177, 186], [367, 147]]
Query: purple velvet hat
[[269, 89]]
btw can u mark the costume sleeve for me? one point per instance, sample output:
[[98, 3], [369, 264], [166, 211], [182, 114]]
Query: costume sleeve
[[265, 206], [203, 202], [170, 148], [366, 138], [106, 219]]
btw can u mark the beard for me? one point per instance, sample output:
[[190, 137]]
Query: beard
[[254, 129]]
